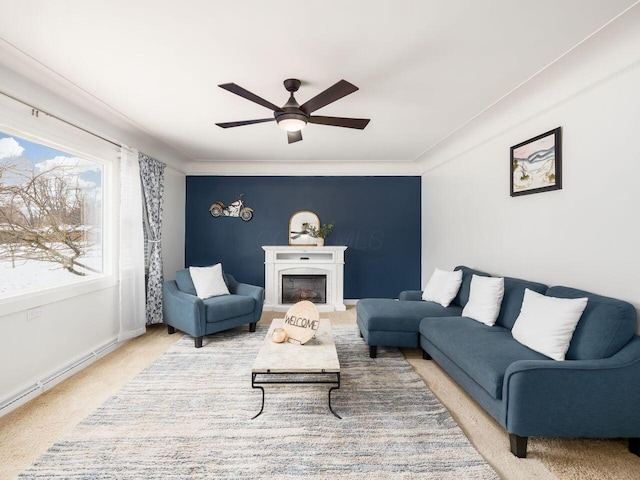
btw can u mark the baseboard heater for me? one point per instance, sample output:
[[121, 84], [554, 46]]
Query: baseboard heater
[[48, 381]]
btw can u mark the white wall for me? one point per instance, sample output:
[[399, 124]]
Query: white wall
[[585, 235], [175, 196], [76, 323], [66, 331]]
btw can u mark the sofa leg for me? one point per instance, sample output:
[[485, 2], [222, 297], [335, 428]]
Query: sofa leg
[[360, 332], [634, 446], [373, 351], [425, 355], [171, 329], [252, 327], [198, 342], [518, 445]]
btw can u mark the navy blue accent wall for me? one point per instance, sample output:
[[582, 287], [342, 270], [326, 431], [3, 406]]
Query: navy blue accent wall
[[378, 218]]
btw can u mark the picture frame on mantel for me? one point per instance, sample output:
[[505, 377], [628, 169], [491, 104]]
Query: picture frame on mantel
[[298, 233], [536, 164]]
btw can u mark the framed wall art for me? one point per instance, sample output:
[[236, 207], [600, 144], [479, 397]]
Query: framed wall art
[[298, 233], [536, 164]]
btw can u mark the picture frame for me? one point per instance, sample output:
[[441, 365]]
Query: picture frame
[[298, 234], [536, 164]]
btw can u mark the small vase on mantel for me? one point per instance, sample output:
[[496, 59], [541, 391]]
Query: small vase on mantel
[[319, 233]]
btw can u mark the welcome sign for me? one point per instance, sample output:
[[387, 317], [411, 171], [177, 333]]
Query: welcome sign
[[301, 322]]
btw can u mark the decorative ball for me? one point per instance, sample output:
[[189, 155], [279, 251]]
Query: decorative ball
[[279, 335], [302, 321]]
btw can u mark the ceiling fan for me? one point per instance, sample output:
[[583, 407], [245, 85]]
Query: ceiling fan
[[293, 117]]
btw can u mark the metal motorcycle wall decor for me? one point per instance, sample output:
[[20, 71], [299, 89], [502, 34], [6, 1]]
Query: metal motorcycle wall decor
[[235, 209]]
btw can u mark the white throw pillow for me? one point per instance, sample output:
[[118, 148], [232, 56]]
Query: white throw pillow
[[442, 287], [546, 324], [485, 298], [208, 281]]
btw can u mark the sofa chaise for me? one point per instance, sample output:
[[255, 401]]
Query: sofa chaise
[[595, 392], [388, 323]]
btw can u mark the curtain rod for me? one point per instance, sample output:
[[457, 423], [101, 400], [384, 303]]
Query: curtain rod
[[36, 109]]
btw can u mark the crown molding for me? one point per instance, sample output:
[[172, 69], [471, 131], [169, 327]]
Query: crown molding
[[293, 168]]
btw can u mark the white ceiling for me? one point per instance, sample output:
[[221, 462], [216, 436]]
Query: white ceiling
[[424, 67]]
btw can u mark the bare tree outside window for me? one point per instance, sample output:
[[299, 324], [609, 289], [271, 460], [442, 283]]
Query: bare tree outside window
[[50, 215]]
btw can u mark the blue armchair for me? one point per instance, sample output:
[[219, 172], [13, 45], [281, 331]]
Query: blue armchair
[[184, 311]]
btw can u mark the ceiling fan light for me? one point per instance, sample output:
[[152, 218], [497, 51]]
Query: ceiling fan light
[[292, 122]]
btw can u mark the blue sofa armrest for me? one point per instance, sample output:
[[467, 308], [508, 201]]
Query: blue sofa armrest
[[411, 295], [257, 293], [183, 311], [575, 398]]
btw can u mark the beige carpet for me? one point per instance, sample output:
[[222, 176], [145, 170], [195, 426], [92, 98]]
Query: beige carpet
[[29, 431], [189, 416]]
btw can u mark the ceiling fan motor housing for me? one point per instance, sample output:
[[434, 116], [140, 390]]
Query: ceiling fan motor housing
[[291, 115]]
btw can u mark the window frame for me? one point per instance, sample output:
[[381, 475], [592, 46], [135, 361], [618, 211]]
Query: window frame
[[34, 126]]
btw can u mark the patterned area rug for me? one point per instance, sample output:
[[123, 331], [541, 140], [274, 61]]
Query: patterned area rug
[[188, 416]]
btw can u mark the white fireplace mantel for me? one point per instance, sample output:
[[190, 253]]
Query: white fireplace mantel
[[292, 260]]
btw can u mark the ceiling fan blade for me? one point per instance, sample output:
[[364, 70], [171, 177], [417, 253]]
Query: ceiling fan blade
[[294, 136], [358, 123], [244, 93], [244, 122], [331, 94]]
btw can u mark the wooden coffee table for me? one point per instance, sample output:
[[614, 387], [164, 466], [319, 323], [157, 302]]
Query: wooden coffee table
[[315, 362]]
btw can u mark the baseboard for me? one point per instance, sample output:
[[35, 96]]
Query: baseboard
[[50, 380]]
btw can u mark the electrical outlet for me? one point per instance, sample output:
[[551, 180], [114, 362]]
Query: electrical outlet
[[34, 313]]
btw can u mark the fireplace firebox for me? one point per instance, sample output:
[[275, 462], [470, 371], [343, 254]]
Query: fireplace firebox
[[304, 287]]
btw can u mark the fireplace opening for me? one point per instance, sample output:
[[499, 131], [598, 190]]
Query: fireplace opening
[[296, 288]]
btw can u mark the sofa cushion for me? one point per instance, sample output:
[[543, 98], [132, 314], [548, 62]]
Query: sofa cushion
[[442, 287], [485, 298], [512, 301], [184, 282], [462, 297], [546, 324], [606, 325], [384, 314], [410, 295], [482, 352], [227, 306]]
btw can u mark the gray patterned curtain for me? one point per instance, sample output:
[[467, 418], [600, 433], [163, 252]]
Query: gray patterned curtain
[[152, 177]]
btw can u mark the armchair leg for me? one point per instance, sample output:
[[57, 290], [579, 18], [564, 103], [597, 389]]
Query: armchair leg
[[634, 446], [425, 355], [360, 332], [198, 342], [373, 351], [252, 327], [518, 445], [171, 329]]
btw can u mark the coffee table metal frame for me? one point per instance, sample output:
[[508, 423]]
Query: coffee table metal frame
[[279, 376]]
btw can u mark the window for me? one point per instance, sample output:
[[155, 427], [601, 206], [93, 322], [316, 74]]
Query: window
[[51, 216]]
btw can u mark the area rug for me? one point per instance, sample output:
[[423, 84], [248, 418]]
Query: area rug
[[188, 416]]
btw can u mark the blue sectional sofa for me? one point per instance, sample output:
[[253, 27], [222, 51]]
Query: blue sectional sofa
[[595, 392]]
